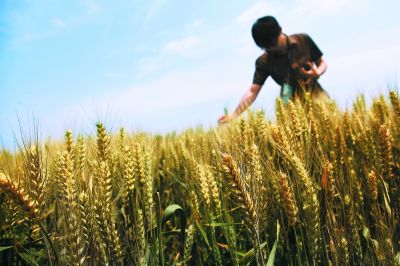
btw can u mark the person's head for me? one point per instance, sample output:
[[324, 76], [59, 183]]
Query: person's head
[[266, 31]]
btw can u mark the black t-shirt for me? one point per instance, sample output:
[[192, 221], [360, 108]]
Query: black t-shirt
[[303, 49]]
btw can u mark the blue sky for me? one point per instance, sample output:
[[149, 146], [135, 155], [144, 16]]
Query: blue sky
[[164, 65]]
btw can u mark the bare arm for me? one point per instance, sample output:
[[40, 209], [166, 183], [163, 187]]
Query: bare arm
[[316, 69], [247, 99], [321, 66]]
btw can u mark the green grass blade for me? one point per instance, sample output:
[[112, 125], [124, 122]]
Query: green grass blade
[[271, 258]]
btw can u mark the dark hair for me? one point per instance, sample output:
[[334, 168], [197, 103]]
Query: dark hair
[[265, 31]]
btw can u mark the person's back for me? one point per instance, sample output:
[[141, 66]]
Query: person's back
[[294, 62]]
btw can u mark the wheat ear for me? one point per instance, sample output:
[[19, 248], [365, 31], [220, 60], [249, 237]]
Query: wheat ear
[[19, 196]]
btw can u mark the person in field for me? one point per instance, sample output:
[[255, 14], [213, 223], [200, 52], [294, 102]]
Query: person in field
[[293, 61]]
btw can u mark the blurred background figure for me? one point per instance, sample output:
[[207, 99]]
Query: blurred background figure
[[293, 61]]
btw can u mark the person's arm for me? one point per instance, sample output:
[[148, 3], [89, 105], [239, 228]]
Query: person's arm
[[317, 65], [247, 99], [321, 67], [316, 69]]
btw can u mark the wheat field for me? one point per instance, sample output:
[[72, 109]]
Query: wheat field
[[316, 186]]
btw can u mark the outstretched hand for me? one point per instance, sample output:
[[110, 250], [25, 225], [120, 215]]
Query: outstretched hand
[[223, 119]]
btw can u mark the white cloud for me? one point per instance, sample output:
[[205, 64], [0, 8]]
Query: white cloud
[[93, 6], [29, 37], [366, 68], [175, 90], [58, 22], [151, 65], [328, 6], [335, 6], [113, 74], [179, 89], [257, 10], [196, 24], [154, 9], [188, 46], [299, 12]]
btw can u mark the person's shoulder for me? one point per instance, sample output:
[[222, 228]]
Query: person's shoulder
[[300, 40], [299, 36], [262, 59]]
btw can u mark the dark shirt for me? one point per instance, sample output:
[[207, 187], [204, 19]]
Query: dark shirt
[[276, 65]]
